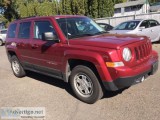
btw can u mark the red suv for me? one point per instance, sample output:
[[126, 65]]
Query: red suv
[[76, 50]]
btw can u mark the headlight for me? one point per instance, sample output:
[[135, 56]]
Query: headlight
[[127, 55]]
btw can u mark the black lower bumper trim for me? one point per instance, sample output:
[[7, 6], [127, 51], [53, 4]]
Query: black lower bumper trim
[[129, 81]]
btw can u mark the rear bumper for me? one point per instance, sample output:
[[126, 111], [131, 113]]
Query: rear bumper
[[129, 81]]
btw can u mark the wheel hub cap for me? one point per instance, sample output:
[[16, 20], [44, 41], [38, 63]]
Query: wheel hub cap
[[83, 85], [15, 67]]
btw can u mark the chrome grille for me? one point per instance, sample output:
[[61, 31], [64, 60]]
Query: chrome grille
[[142, 51]]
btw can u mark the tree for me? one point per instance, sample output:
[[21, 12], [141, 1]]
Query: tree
[[92, 6], [118, 1], [14, 9], [66, 6], [105, 8], [109, 11], [78, 7], [10, 8]]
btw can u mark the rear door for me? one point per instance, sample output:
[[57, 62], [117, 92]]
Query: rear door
[[144, 29], [154, 28], [23, 41]]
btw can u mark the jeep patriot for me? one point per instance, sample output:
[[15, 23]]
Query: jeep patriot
[[78, 51]]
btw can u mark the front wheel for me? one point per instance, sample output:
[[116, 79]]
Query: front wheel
[[17, 67], [85, 84]]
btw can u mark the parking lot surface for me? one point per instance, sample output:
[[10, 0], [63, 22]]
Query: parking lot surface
[[139, 102]]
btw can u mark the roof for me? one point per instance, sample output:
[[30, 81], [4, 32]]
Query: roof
[[43, 17], [130, 3], [138, 20], [67, 16]]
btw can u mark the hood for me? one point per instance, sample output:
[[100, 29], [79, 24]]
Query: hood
[[113, 41], [121, 31]]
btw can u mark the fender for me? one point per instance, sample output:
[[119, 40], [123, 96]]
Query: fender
[[89, 56]]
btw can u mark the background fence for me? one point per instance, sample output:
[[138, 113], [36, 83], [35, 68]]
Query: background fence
[[117, 20]]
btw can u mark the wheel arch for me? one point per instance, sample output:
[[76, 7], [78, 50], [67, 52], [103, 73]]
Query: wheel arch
[[92, 60]]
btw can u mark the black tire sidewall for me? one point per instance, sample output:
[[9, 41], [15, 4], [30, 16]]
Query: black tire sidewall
[[96, 86], [21, 72]]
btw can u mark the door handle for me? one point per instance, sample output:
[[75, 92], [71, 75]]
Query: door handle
[[35, 46], [21, 44], [152, 30]]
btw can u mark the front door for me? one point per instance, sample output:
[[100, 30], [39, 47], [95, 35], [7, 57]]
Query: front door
[[45, 54]]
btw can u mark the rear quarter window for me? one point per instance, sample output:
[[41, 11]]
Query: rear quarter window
[[12, 31]]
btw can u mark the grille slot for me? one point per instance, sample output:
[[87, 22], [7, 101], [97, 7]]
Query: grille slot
[[142, 51]]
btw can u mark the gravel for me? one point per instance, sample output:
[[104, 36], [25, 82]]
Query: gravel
[[139, 102]]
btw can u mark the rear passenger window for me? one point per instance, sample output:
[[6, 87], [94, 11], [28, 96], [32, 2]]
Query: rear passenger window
[[24, 30], [153, 23], [145, 24], [42, 27], [12, 31]]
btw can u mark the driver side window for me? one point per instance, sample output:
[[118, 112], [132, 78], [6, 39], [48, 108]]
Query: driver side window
[[42, 27]]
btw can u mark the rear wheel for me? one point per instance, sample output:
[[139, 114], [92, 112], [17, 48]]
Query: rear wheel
[[85, 84], [1, 42], [17, 67]]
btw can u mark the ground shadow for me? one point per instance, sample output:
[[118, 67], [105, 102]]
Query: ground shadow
[[157, 42], [61, 84], [109, 94], [50, 80]]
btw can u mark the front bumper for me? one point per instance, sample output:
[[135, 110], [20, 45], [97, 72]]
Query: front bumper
[[129, 81]]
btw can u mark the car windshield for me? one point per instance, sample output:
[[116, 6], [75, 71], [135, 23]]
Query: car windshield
[[131, 25], [79, 27]]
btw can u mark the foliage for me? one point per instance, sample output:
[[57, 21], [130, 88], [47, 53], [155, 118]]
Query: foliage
[[15, 9]]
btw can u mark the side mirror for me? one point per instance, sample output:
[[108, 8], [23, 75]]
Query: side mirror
[[49, 36]]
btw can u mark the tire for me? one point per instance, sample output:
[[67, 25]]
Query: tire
[[85, 84], [17, 67], [1, 42]]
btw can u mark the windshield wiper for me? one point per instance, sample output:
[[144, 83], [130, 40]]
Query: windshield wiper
[[80, 35]]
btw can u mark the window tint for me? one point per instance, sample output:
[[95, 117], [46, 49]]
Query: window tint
[[3, 31], [24, 30], [131, 25], [79, 27], [153, 23], [42, 27], [12, 31], [145, 24]]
